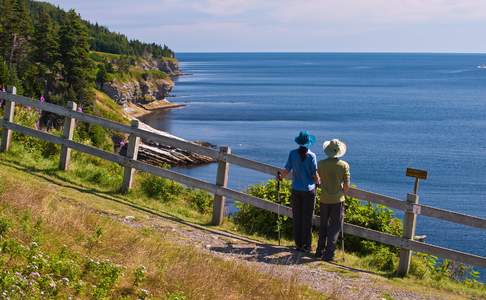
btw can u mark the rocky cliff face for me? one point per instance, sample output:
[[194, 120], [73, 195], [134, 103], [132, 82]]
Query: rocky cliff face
[[138, 90], [146, 87]]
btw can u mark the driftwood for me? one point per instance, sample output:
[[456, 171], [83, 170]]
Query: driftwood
[[161, 155]]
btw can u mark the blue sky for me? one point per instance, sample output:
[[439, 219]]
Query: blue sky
[[295, 25]]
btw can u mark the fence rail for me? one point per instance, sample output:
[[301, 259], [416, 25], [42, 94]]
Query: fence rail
[[225, 158]]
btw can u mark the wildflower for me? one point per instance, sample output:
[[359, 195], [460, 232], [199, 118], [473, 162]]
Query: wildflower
[[52, 285], [42, 99], [35, 274], [80, 109]]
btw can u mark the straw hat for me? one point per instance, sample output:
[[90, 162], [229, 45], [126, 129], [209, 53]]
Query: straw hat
[[305, 139], [334, 148]]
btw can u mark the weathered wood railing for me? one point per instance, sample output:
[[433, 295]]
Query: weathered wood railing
[[410, 206]]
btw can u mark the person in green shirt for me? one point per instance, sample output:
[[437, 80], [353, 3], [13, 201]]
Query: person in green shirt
[[335, 182]]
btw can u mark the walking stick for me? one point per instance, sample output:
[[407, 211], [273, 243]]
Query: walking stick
[[342, 228], [342, 237], [278, 207]]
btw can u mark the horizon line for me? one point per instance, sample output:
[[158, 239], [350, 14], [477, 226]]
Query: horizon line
[[331, 52]]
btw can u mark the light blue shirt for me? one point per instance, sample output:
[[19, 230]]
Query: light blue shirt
[[303, 172]]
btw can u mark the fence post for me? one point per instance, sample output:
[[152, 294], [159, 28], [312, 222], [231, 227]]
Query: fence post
[[8, 116], [69, 124], [221, 180], [132, 153], [409, 224]]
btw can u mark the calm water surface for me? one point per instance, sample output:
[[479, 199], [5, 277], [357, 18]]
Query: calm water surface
[[394, 111]]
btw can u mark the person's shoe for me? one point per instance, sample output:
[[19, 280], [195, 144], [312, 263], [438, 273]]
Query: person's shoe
[[329, 259], [306, 249]]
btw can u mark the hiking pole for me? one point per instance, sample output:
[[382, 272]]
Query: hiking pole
[[278, 207], [342, 227], [342, 237]]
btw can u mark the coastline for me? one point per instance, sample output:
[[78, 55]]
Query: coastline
[[140, 110]]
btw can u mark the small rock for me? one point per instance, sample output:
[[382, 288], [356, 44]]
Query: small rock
[[129, 218]]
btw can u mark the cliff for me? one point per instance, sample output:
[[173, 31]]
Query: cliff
[[135, 79]]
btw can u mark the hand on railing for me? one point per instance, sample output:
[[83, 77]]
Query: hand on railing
[[281, 174]]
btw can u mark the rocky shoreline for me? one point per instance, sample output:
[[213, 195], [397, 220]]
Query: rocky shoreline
[[145, 96]]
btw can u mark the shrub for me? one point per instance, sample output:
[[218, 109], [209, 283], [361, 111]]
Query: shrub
[[161, 188], [254, 220], [376, 217], [98, 135], [200, 200]]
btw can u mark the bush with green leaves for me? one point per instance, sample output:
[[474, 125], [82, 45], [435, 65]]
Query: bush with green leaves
[[376, 217], [257, 221], [160, 188], [29, 118], [253, 220], [200, 200]]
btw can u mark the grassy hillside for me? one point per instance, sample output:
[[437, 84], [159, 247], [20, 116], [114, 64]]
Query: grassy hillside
[[55, 243]]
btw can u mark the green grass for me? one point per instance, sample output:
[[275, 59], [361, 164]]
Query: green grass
[[139, 74], [107, 108], [59, 236]]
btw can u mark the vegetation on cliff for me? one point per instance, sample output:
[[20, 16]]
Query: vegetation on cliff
[[46, 51]]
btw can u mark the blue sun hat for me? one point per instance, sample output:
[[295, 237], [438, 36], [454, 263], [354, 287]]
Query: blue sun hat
[[305, 139]]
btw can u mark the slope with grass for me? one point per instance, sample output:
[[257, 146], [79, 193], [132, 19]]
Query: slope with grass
[[93, 241], [60, 240]]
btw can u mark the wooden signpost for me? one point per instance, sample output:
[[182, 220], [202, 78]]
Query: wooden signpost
[[418, 174], [410, 220]]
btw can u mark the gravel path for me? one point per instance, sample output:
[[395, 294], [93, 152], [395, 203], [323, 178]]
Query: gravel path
[[335, 280]]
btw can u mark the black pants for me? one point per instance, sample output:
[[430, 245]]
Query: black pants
[[303, 209], [332, 216]]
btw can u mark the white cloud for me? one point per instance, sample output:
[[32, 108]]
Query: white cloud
[[295, 25]]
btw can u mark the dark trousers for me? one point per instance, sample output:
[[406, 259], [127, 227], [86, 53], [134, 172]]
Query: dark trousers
[[303, 209], [332, 216]]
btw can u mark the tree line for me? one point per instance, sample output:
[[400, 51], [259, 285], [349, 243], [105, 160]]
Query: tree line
[[45, 51]]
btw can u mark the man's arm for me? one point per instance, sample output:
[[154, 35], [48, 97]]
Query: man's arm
[[346, 187], [347, 180], [317, 179]]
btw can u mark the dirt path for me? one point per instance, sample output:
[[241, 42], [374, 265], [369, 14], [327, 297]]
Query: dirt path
[[334, 280]]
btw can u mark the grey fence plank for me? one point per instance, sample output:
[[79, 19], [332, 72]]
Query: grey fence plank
[[251, 164], [8, 116], [451, 216], [377, 198], [221, 180], [399, 242]]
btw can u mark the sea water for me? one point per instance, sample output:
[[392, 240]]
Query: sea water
[[394, 111]]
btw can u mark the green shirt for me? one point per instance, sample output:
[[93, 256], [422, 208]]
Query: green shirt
[[333, 173]]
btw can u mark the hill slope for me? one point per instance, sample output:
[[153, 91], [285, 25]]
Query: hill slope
[[78, 214]]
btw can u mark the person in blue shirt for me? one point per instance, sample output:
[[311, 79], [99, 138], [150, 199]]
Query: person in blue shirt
[[302, 164]]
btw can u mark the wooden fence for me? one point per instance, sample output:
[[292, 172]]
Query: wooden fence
[[225, 158]]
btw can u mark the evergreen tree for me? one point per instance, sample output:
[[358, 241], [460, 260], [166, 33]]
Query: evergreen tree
[[77, 65], [45, 54], [18, 30]]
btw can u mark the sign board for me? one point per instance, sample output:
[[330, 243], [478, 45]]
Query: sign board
[[416, 209], [420, 174]]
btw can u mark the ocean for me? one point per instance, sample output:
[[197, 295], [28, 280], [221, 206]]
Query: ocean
[[426, 111]]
